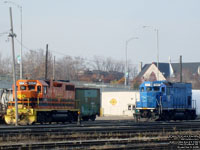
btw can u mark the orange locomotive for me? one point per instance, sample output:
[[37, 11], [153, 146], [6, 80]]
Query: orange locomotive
[[43, 101]]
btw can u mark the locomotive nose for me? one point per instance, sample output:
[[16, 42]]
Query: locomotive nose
[[149, 100]]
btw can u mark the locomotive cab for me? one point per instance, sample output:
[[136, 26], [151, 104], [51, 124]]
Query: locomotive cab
[[29, 92], [150, 99]]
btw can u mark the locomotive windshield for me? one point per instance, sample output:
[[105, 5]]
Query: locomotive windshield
[[31, 87], [142, 89], [149, 89], [156, 88], [22, 87]]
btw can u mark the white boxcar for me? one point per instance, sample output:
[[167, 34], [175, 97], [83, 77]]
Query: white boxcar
[[119, 103]]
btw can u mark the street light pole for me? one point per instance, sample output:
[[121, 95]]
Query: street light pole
[[20, 8], [157, 47], [126, 65]]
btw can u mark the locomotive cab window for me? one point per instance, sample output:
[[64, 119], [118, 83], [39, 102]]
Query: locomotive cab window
[[39, 89], [45, 90], [163, 89], [149, 89], [31, 87], [55, 84], [22, 88], [69, 87], [142, 89]]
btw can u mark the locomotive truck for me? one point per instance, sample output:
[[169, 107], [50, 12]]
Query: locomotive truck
[[163, 100]]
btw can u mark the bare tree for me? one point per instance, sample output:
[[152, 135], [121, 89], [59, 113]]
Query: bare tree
[[34, 63], [107, 64], [5, 65], [68, 68]]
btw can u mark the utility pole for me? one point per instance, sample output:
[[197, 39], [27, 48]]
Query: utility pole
[[21, 59], [21, 66], [54, 67], [46, 62], [157, 46], [181, 78], [12, 35]]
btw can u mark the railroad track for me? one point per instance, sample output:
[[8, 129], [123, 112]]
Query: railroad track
[[95, 144], [88, 135]]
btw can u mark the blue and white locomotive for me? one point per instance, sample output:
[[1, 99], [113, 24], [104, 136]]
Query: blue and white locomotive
[[164, 100]]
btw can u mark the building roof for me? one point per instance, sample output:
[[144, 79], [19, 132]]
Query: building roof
[[164, 68], [191, 67], [144, 69]]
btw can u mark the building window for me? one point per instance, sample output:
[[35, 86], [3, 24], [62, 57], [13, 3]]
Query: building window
[[198, 70], [129, 107]]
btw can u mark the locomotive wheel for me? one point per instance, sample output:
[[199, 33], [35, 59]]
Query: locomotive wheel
[[136, 118], [153, 116], [40, 117], [93, 117], [70, 119], [187, 115], [145, 114], [85, 118]]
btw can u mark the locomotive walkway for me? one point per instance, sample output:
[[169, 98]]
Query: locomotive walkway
[[101, 134]]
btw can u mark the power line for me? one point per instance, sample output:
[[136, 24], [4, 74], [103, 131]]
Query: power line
[[63, 54]]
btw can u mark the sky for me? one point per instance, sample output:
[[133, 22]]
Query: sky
[[89, 28]]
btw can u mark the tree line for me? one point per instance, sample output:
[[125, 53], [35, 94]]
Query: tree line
[[66, 67]]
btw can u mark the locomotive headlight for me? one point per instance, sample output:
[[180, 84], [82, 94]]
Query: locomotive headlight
[[151, 110]]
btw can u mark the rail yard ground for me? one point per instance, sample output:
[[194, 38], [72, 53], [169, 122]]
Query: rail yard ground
[[110, 132]]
